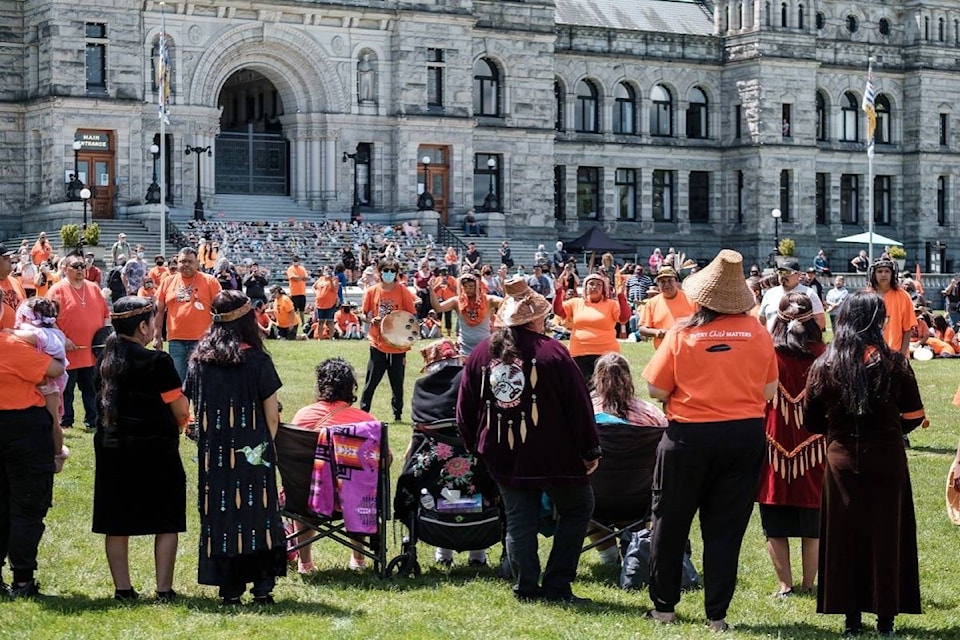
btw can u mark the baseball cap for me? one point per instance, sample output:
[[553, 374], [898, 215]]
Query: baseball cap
[[6, 253], [790, 264]]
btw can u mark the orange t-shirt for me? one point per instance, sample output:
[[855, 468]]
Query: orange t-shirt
[[51, 278], [283, 309], [900, 317], [12, 296], [592, 325], [297, 287], [661, 313], [445, 292], [157, 274], [22, 368], [321, 414], [343, 320], [185, 321], [379, 302], [715, 372], [82, 313], [40, 253], [327, 290]]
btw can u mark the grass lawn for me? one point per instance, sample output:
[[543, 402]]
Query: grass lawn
[[456, 603]]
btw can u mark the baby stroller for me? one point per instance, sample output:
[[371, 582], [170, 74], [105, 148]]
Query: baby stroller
[[444, 497]]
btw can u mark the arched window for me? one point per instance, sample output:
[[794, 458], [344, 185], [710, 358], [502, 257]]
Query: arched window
[[561, 103], [850, 131], [800, 17], [882, 133], [587, 118], [697, 114], [784, 18], [625, 110], [486, 89], [941, 31], [766, 12], [738, 18], [821, 117], [661, 111]]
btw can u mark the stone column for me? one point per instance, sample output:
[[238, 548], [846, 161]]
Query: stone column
[[330, 169], [300, 174], [316, 170]]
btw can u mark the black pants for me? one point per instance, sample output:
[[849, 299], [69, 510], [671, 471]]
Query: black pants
[[713, 467], [26, 486], [587, 364], [82, 378], [395, 366]]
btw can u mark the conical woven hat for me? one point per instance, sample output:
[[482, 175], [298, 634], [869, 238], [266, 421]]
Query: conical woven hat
[[720, 286]]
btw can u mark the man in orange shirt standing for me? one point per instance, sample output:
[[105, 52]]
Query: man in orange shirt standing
[[297, 277], [83, 311], [378, 301], [158, 271], [901, 320], [327, 290], [11, 291], [663, 310], [41, 250], [184, 298]]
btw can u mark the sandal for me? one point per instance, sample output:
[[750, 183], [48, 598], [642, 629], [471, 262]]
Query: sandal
[[357, 565], [783, 593], [306, 569]]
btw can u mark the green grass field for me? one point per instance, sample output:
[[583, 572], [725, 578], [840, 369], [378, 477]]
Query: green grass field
[[456, 603]]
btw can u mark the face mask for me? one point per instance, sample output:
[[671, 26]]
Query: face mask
[[140, 254], [388, 276], [159, 263]]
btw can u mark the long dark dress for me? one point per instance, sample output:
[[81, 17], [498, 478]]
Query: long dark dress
[[868, 531], [139, 486], [241, 533]]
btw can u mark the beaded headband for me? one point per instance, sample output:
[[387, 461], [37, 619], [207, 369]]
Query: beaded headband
[[132, 313], [230, 316]]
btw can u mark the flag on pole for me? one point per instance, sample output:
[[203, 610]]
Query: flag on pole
[[869, 108], [163, 78]]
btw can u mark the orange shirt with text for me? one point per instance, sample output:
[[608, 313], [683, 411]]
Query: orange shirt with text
[[188, 303], [715, 372], [82, 313], [297, 287]]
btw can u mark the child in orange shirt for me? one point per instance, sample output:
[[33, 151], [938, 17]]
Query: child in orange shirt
[[430, 326]]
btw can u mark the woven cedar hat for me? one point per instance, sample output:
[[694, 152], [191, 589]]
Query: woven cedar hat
[[720, 286], [441, 351], [521, 304]]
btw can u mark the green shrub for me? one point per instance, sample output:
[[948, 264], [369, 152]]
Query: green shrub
[[70, 235], [91, 236], [896, 253], [787, 247]]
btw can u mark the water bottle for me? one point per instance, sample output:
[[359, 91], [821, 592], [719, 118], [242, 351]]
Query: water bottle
[[426, 500]]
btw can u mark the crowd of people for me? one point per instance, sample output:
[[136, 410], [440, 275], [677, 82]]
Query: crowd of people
[[755, 407]]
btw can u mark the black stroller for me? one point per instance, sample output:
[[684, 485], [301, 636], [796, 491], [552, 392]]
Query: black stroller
[[444, 495]]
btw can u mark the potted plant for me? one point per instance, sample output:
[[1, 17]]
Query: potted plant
[[70, 236], [898, 255], [787, 248], [91, 237]]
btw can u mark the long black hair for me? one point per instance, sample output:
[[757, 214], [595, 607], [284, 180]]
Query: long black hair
[[795, 331], [858, 364], [336, 380], [113, 362], [223, 343]]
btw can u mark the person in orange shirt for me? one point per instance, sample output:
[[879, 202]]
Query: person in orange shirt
[[925, 335], [346, 323], [46, 277], [158, 272], [83, 311], [901, 321], [184, 299], [592, 320], [445, 288], [41, 250], [297, 277], [284, 313], [430, 326], [327, 291], [11, 291], [716, 372], [378, 301], [148, 289], [663, 310], [943, 331]]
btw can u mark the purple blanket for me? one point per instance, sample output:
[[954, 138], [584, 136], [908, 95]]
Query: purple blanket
[[345, 472]]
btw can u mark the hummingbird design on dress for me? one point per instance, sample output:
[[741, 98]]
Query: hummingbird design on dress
[[255, 455]]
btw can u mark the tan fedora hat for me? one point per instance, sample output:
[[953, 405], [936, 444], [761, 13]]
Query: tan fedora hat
[[521, 304], [720, 286]]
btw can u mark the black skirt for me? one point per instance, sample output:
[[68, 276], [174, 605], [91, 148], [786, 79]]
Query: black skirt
[[789, 522]]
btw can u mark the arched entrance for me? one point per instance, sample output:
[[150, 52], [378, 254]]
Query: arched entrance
[[252, 156]]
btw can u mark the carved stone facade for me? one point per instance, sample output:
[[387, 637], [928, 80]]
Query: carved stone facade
[[687, 134]]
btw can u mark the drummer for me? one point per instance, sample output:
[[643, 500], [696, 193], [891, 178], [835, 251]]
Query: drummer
[[474, 308], [388, 296]]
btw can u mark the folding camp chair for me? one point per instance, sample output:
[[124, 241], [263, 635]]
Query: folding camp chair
[[296, 454], [622, 482]]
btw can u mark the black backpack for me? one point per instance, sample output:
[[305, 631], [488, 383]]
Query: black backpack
[[115, 284]]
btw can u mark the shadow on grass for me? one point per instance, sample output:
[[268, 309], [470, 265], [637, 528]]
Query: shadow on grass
[[920, 448], [77, 603], [805, 630]]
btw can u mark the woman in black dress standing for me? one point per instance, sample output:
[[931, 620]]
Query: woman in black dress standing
[[142, 414], [864, 396], [233, 386]]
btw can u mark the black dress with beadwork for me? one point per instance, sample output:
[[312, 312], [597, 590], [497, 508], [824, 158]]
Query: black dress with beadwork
[[241, 533]]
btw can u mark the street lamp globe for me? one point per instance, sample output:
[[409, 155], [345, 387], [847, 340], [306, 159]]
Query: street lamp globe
[[77, 145], [491, 163], [425, 159], [776, 213], [85, 194], [154, 149]]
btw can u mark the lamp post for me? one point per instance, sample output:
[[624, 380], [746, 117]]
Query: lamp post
[[85, 196], [198, 203], [73, 187], [776, 214], [355, 207], [425, 201], [490, 202], [153, 191]]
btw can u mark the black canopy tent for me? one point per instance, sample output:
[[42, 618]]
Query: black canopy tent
[[595, 240]]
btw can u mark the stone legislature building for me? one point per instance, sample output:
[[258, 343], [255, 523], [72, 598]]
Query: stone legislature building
[[667, 122]]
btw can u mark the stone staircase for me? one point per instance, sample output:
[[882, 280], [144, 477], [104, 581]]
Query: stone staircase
[[136, 232], [521, 251], [244, 208]]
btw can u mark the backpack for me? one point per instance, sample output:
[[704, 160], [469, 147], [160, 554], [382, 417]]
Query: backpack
[[115, 284]]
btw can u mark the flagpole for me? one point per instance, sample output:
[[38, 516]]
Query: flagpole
[[871, 124], [163, 143]]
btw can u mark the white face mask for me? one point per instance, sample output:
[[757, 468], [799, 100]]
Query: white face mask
[[388, 276], [140, 255]]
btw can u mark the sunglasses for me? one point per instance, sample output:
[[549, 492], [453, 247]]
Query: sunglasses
[[388, 271], [79, 266]]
